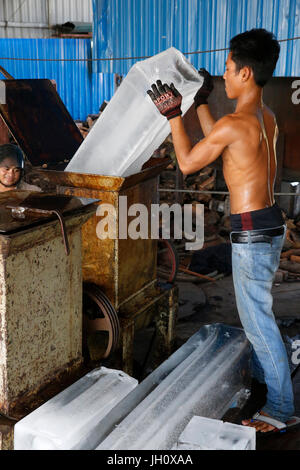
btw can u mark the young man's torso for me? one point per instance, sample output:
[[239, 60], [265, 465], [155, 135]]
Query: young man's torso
[[249, 169]]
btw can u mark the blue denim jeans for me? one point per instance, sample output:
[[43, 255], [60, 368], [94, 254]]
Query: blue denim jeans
[[253, 269]]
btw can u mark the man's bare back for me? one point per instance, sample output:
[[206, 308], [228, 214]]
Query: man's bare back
[[245, 162]]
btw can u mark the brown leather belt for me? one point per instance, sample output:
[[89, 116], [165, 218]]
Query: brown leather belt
[[256, 236]]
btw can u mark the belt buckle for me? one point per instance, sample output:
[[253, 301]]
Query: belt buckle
[[237, 238], [263, 239]]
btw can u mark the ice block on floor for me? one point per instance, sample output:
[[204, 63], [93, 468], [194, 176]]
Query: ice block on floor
[[131, 128], [204, 383], [212, 434], [71, 419]]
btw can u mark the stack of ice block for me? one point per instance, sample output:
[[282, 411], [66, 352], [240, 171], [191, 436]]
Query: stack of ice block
[[131, 128], [213, 434], [204, 382], [71, 420]]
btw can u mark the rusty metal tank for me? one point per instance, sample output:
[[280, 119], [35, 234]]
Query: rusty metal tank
[[124, 269], [41, 295], [42, 126]]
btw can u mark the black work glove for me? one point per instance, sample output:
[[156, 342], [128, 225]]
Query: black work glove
[[206, 89], [167, 99]]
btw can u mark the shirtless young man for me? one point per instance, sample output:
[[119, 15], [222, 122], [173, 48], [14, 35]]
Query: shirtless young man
[[246, 140]]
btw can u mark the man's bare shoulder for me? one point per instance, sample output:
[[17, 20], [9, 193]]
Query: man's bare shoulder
[[236, 124]]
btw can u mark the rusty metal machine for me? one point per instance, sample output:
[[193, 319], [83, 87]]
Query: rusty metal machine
[[41, 294], [121, 294], [123, 269]]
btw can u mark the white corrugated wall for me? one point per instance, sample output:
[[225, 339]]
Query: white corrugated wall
[[33, 18], [74, 10]]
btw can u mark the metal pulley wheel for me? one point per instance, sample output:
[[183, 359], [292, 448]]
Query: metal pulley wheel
[[167, 260], [101, 327]]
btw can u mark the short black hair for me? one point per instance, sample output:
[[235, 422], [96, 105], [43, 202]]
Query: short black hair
[[258, 49], [12, 151]]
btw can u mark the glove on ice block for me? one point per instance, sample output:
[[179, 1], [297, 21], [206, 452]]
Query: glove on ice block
[[203, 383], [70, 420], [131, 128], [213, 434]]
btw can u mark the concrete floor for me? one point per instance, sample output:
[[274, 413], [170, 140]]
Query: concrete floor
[[202, 303], [217, 305], [214, 302]]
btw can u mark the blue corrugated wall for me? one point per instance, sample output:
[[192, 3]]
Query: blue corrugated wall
[[81, 90], [134, 28], [126, 28]]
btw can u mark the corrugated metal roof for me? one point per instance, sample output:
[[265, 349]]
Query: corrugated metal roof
[[23, 16], [70, 10], [81, 90], [134, 28]]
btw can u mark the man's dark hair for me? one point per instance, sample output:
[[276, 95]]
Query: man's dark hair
[[13, 152], [258, 49]]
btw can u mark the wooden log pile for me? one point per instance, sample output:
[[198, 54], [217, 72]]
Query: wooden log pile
[[290, 256], [86, 126]]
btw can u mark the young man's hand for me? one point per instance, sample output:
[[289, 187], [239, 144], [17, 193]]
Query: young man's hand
[[167, 99], [206, 89]]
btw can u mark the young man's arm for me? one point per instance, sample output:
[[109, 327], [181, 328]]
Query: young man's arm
[[167, 99], [206, 119], [191, 159]]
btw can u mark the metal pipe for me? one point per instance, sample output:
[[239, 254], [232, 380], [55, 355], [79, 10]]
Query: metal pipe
[[14, 24], [6, 74]]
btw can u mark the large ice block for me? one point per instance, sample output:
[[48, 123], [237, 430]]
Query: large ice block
[[71, 419], [213, 434], [204, 382], [131, 128]]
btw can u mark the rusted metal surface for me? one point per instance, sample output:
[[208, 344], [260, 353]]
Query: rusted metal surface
[[40, 306], [150, 304], [12, 243], [123, 266], [140, 302], [87, 182], [99, 257], [105, 262], [137, 258], [124, 359], [49, 327], [14, 199], [165, 324], [120, 267], [6, 434], [43, 206], [34, 109]]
